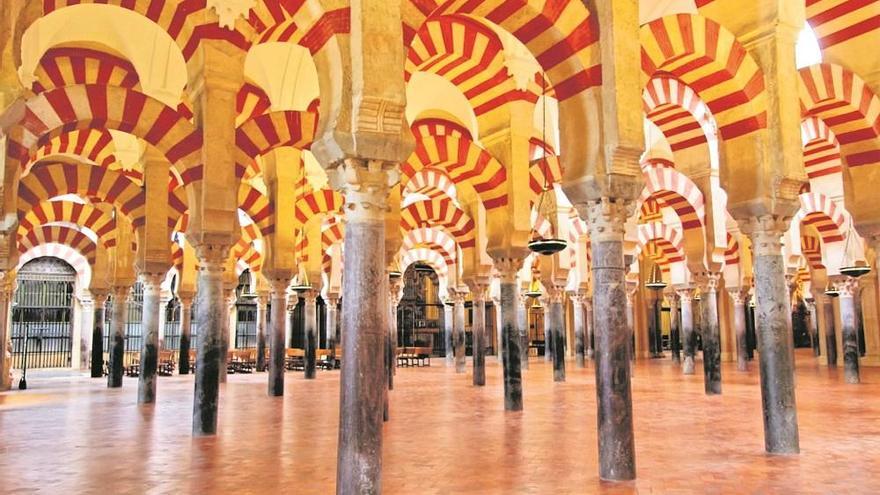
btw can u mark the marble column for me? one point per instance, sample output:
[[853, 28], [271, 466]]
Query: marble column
[[116, 351], [848, 288], [555, 323], [163, 315], [711, 334], [228, 336], [364, 279], [740, 295], [774, 335], [606, 219], [522, 323], [150, 328], [99, 299], [7, 284], [277, 347], [496, 305], [332, 315], [590, 335], [511, 343], [447, 331], [458, 333], [185, 333], [577, 303], [394, 295], [813, 326], [674, 328], [686, 296], [478, 330], [549, 344], [830, 330], [262, 309], [630, 320], [310, 310], [211, 355]]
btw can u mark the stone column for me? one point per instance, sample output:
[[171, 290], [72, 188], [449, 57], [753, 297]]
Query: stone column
[[6, 293], [262, 308], [478, 330], [394, 295], [227, 330], [630, 320], [711, 334], [590, 335], [496, 304], [163, 318], [522, 323], [739, 296], [606, 219], [116, 351], [813, 326], [686, 297], [458, 336], [447, 331], [674, 325], [211, 354], [332, 312], [99, 299], [555, 323], [277, 347], [150, 349], [830, 330], [848, 287], [774, 335], [511, 339], [185, 333], [310, 311], [577, 303]]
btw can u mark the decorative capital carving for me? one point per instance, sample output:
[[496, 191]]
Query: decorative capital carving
[[606, 218], [739, 295], [685, 294], [458, 297], [365, 185], [152, 282], [708, 281], [507, 269], [765, 232], [553, 295], [212, 257], [479, 290], [228, 11]]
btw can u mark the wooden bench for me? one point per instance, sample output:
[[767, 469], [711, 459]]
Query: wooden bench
[[167, 363], [413, 356], [242, 360], [328, 360], [295, 359]]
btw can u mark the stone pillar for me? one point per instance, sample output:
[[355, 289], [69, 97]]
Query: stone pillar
[[511, 338], [458, 336], [163, 318], [590, 335], [478, 330], [310, 311], [848, 287], [447, 331], [277, 347], [686, 297], [6, 291], [185, 333], [211, 354], [496, 304], [630, 320], [774, 335], [813, 326], [711, 334], [99, 299], [830, 330], [739, 296], [332, 312], [116, 350], [228, 331], [150, 327], [674, 328], [554, 325], [577, 303], [522, 323], [262, 308], [606, 219]]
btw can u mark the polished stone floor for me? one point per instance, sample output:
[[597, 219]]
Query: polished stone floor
[[72, 435]]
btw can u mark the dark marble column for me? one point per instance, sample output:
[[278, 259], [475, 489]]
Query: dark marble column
[[848, 288], [630, 319], [210, 358], [711, 334], [116, 347], [522, 323], [577, 303], [674, 328], [185, 333], [830, 330], [277, 330], [228, 324], [478, 330], [555, 323], [591, 334], [262, 308], [740, 295], [813, 326], [512, 341], [774, 335], [97, 356], [310, 310], [606, 219], [685, 296], [150, 328], [332, 315], [447, 331], [496, 305], [458, 336]]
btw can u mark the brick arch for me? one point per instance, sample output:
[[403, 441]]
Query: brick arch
[[69, 255], [443, 213], [245, 251], [48, 180], [811, 247], [677, 191], [433, 238], [263, 133], [429, 257], [432, 183], [668, 238], [58, 234], [318, 202], [708, 58], [541, 171], [824, 214], [93, 145], [821, 149], [251, 101], [731, 254], [678, 111], [305, 23], [256, 204], [84, 214], [68, 66]]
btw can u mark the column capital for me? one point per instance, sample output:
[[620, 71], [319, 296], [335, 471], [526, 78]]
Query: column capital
[[479, 290], [212, 257], [708, 281], [365, 184], [553, 294], [99, 297], [739, 295], [309, 296], [292, 300], [186, 299], [685, 293], [457, 297], [507, 268], [120, 292], [151, 281], [278, 282], [606, 218], [765, 232], [847, 286], [578, 298]]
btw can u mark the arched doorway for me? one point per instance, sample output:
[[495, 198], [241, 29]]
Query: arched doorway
[[420, 311], [42, 314]]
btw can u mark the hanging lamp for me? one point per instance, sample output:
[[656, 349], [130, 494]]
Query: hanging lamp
[[853, 265], [534, 290], [655, 281], [395, 272], [539, 244], [831, 290]]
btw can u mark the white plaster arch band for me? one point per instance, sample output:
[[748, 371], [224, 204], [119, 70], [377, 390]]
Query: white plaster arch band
[[648, 232], [66, 253], [432, 183], [813, 202], [672, 106], [429, 257], [658, 180], [427, 235]]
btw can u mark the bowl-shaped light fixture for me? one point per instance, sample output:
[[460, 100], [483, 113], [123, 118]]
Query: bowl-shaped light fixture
[[547, 247], [856, 269]]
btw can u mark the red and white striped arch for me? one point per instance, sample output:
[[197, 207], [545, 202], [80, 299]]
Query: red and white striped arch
[[440, 213], [66, 66], [675, 190], [263, 133], [545, 169], [58, 234], [429, 257], [811, 247], [731, 253], [821, 149], [257, 206], [433, 238], [838, 21], [84, 214], [668, 238], [251, 101], [318, 202], [69, 255], [824, 214], [847, 105], [432, 183], [304, 22], [709, 59], [679, 112], [434, 126]]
